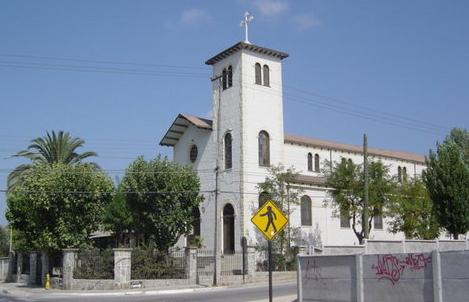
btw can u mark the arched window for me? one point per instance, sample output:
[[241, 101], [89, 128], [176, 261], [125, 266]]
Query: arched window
[[316, 162], [223, 79], [258, 74], [228, 151], [306, 211], [264, 149], [266, 75], [404, 174], [193, 153], [310, 162], [228, 229], [263, 198], [399, 174], [230, 76]]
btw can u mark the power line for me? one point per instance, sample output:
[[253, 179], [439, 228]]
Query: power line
[[103, 62], [352, 112], [379, 117], [94, 69]]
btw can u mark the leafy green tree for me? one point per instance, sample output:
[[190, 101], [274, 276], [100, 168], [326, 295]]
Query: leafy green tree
[[58, 206], [53, 148], [461, 138], [161, 195], [411, 211], [447, 180], [118, 218], [279, 186], [347, 182]]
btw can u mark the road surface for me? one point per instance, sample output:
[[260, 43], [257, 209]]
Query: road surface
[[282, 292]]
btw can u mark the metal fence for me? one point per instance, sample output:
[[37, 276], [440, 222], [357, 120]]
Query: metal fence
[[280, 262], [94, 264], [205, 262], [148, 263], [232, 264]]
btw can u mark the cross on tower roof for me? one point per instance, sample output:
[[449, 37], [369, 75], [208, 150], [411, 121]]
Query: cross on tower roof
[[245, 22]]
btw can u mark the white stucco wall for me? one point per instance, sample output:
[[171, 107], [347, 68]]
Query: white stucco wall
[[246, 109]]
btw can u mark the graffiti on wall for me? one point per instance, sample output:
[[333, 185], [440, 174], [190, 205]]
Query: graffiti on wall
[[313, 271], [392, 267]]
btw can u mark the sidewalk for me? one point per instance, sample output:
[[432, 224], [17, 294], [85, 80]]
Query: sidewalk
[[19, 290]]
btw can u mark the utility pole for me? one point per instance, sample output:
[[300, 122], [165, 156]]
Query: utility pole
[[365, 197], [288, 209], [11, 238], [216, 251]]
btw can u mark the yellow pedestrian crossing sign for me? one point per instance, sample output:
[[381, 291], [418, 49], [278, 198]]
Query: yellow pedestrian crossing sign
[[269, 220]]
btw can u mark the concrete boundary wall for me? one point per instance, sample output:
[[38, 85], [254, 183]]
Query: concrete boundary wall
[[4, 263], [426, 276], [396, 246]]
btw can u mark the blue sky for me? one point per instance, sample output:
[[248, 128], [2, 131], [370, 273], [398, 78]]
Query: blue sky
[[116, 73]]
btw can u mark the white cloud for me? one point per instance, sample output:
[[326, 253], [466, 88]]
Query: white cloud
[[304, 22], [271, 7], [193, 16]]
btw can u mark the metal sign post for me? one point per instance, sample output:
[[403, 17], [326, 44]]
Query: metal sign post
[[270, 221], [244, 245], [270, 269]]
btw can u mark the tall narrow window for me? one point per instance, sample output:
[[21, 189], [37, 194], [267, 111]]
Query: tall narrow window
[[264, 149], [404, 173], [224, 79], [258, 74], [228, 151], [399, 174], [310, 162], [266, 75], [316, 162], [306, 211], [228, 229], [344, 219], [196, 221], [378, 222], [230, 76]]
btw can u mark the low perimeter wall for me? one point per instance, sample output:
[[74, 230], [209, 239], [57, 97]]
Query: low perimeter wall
[[428, 276], [4, 263], [372, 246]]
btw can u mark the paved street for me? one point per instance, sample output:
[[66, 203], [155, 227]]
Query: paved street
[[285, 292]]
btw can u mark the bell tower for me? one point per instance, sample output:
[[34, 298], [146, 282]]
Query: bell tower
[[247, 104]]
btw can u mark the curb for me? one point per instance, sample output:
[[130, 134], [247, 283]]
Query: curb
[[149, 292], [135, 293]]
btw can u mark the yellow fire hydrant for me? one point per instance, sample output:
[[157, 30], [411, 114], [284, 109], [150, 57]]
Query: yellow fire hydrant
[[47, 285]]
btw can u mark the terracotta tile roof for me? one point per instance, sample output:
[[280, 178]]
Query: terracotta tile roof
[[199, 122], [179, 126], [243, 45], [313, 142], [183, 120], [311, 180]]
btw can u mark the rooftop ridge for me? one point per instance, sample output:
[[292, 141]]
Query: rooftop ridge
[[309, 141], [175, 131]]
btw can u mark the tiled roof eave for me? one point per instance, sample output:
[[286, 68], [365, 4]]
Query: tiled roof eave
[[304, 141], [243, 45]]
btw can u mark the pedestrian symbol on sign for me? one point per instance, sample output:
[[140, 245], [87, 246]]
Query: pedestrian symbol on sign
[[269, 220], [271, 217]]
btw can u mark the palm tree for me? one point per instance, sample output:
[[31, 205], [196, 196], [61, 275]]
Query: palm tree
[[52, 148]]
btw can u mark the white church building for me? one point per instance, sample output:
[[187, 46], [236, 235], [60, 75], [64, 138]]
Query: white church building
[[232, 153]]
